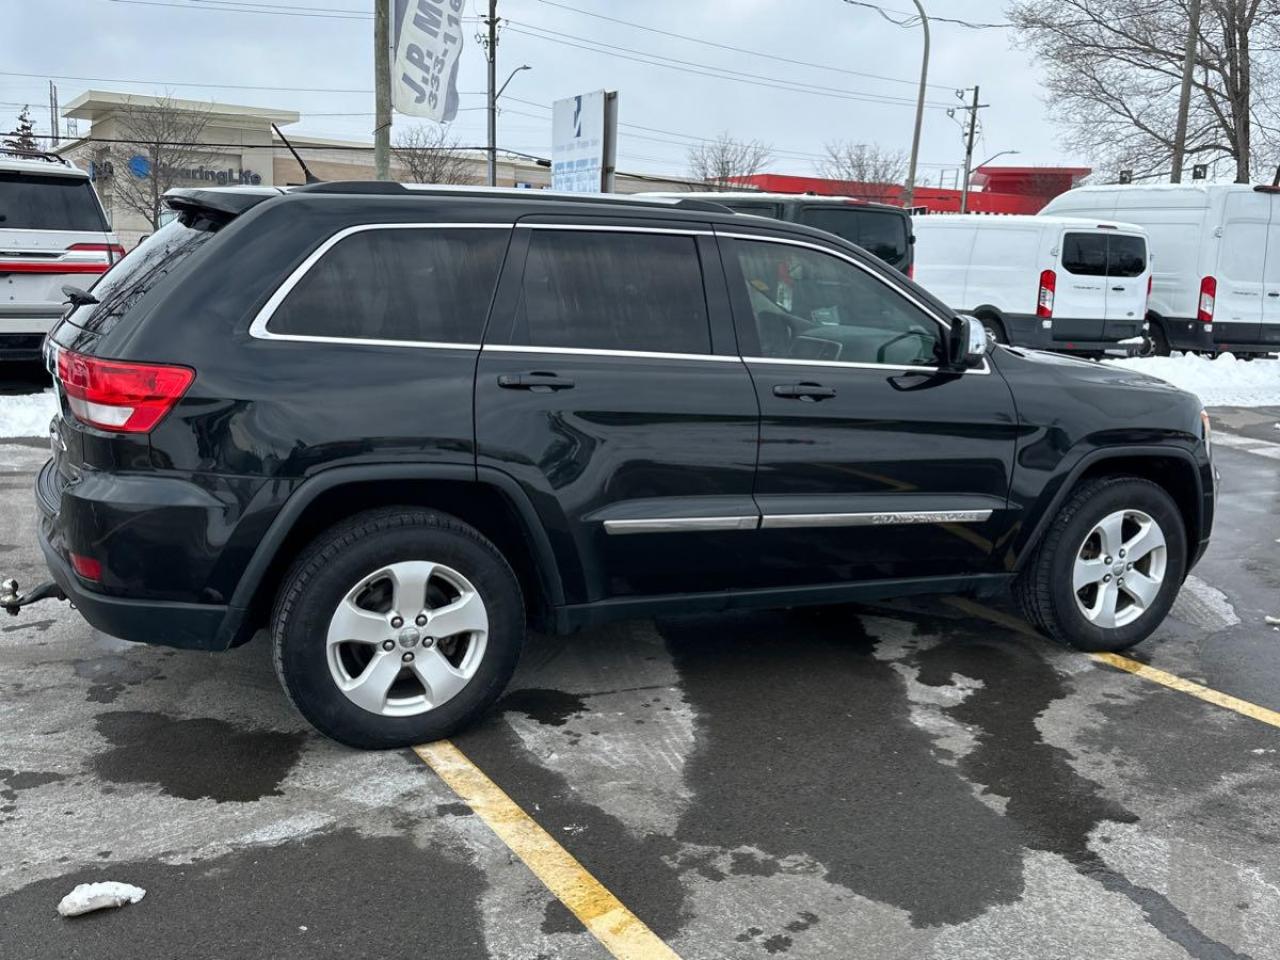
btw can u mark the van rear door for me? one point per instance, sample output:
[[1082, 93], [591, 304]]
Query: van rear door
[[1128, 270], [1080, 301], [1270, 329], [1242, 253]]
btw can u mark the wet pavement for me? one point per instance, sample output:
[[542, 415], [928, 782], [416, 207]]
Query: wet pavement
[[907, 780]]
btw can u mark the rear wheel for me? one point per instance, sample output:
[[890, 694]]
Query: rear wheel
[[995, 329], [397, 627], [1107, 571], [1158, 339]]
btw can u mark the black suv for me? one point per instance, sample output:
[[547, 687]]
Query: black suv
[[394, 425]]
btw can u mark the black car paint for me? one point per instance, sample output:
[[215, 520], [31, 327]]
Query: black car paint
[[192, 522]]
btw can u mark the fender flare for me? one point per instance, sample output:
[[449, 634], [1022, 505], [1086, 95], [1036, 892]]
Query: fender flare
[[1090, 459], [269, 546]]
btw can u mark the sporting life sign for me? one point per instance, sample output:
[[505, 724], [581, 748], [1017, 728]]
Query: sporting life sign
[[426, 40], [582, 142]]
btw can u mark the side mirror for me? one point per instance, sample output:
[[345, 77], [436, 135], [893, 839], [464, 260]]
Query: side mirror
[[967, 346]]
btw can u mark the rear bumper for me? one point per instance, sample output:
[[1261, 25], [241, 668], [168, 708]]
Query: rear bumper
[[70, 516], [1227, 337], [1039, 333]]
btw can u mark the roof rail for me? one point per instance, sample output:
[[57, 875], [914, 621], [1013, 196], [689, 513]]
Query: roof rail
[[386, 187], [34, 155]]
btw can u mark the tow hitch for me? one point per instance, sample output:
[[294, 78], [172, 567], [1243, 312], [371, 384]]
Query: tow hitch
[[13, 601]]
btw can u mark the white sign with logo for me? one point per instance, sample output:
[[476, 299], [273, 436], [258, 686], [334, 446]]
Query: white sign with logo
[[582, 142], [426, 40]]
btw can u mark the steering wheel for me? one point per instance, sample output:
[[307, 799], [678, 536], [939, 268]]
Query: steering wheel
[[922, 335]]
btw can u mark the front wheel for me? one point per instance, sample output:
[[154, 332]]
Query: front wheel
[[1107, 572], [396, 627]]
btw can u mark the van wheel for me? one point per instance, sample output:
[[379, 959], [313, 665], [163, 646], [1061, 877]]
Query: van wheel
[[995, 330], [1159, 340], [398, 626], [1107, 571]]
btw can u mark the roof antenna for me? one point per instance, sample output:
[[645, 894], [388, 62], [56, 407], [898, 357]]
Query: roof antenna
[[310, 177]]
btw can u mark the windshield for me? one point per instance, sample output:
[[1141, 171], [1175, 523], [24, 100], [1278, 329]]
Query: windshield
[[134, 276], [880, 233], [48, 202]]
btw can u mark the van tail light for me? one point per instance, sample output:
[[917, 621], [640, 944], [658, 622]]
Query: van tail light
[[1208, 294], [119, 396], [1044, 302], [106, 254], [911, 271]]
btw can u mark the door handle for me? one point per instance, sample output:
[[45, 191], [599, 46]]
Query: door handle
[[811, 392], [1274, 293], [537, 381], [1119, 289]]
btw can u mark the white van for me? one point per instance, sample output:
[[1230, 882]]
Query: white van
[[52, 232], [1217, 259], [1052, 283]]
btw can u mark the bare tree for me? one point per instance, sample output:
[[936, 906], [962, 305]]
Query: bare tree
[[1115, 69], [872, 172], [23, 138], [428, 155], [718, 161], [161, 149]]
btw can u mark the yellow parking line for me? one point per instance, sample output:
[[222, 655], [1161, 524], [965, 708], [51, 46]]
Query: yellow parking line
[[619, 930], [1154, 674]]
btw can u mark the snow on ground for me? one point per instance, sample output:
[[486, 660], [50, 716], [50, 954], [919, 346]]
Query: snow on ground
[[27, 415], [1220, 382]]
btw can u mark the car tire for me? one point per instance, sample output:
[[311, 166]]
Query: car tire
[[1159, 340], [1060, 590], [995, 329], [326, 632]]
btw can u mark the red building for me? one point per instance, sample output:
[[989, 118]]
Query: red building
[[993, 190]]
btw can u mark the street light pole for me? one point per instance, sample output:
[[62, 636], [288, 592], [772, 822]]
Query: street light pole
[[492, 23], [382, 90], [909, 194], [964, 197]]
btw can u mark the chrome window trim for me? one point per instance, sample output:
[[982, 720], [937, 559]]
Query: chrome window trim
[[616, 228], [259, 329], [679, 524], [593, 352], [872, 519]]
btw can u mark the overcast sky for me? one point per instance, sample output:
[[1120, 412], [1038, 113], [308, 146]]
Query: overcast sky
[[178, 45]]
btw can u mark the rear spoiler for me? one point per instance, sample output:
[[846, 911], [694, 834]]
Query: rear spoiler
[[218, 204]]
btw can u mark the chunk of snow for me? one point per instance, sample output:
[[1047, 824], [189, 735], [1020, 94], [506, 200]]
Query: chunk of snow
[[1274, 621], [27, 414], [87, 897], [1223, 381]]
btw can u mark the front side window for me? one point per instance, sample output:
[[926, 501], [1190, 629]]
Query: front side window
[[613, 291], [428, 284], [808, 305]]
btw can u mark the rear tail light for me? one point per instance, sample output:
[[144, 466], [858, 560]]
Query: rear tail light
[[1044, 302], [1208, 294], [86, 567], [119, 396], [95, 253]]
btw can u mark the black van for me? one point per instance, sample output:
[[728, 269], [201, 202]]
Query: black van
[[882, 230]]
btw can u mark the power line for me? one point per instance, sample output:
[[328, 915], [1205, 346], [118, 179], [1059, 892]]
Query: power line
[[188, 83], [319, 13], [726, 46], [911, 19]]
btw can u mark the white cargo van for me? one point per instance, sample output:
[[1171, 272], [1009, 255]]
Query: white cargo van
[[1216, 284], [1052, 283], [52, 232]]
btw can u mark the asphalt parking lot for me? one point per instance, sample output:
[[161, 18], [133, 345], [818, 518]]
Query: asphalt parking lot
[[912, 780]]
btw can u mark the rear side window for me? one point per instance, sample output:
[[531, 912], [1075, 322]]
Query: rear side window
[[137, 274], [1103, 255], [613, 291], [34, 202], [882, 234], [427, 285]]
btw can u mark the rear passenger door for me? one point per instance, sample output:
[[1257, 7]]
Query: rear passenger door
[[610, 389]]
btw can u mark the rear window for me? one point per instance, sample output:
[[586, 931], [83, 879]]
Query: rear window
[[1103, 255], [137, 274], [31, 201], [429, 285], [879, 233]]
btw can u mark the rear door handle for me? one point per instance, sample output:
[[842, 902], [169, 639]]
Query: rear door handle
[[1119, 289], [811, 392], [1274, 293], [538, 381]]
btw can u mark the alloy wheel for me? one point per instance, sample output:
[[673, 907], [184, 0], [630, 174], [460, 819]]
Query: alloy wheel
[[1119, 568]]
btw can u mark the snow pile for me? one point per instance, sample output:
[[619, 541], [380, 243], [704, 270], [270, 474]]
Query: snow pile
[[87, 897], [27, 415], [1221, 382]]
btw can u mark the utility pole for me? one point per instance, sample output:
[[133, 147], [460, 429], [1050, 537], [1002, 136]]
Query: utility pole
[[968, 150], [491, 48], [53, 114], [909, 194], [1184, 98], [382, 89]]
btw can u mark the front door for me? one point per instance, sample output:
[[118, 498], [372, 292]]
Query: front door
[[610, 389], [874, 463]]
